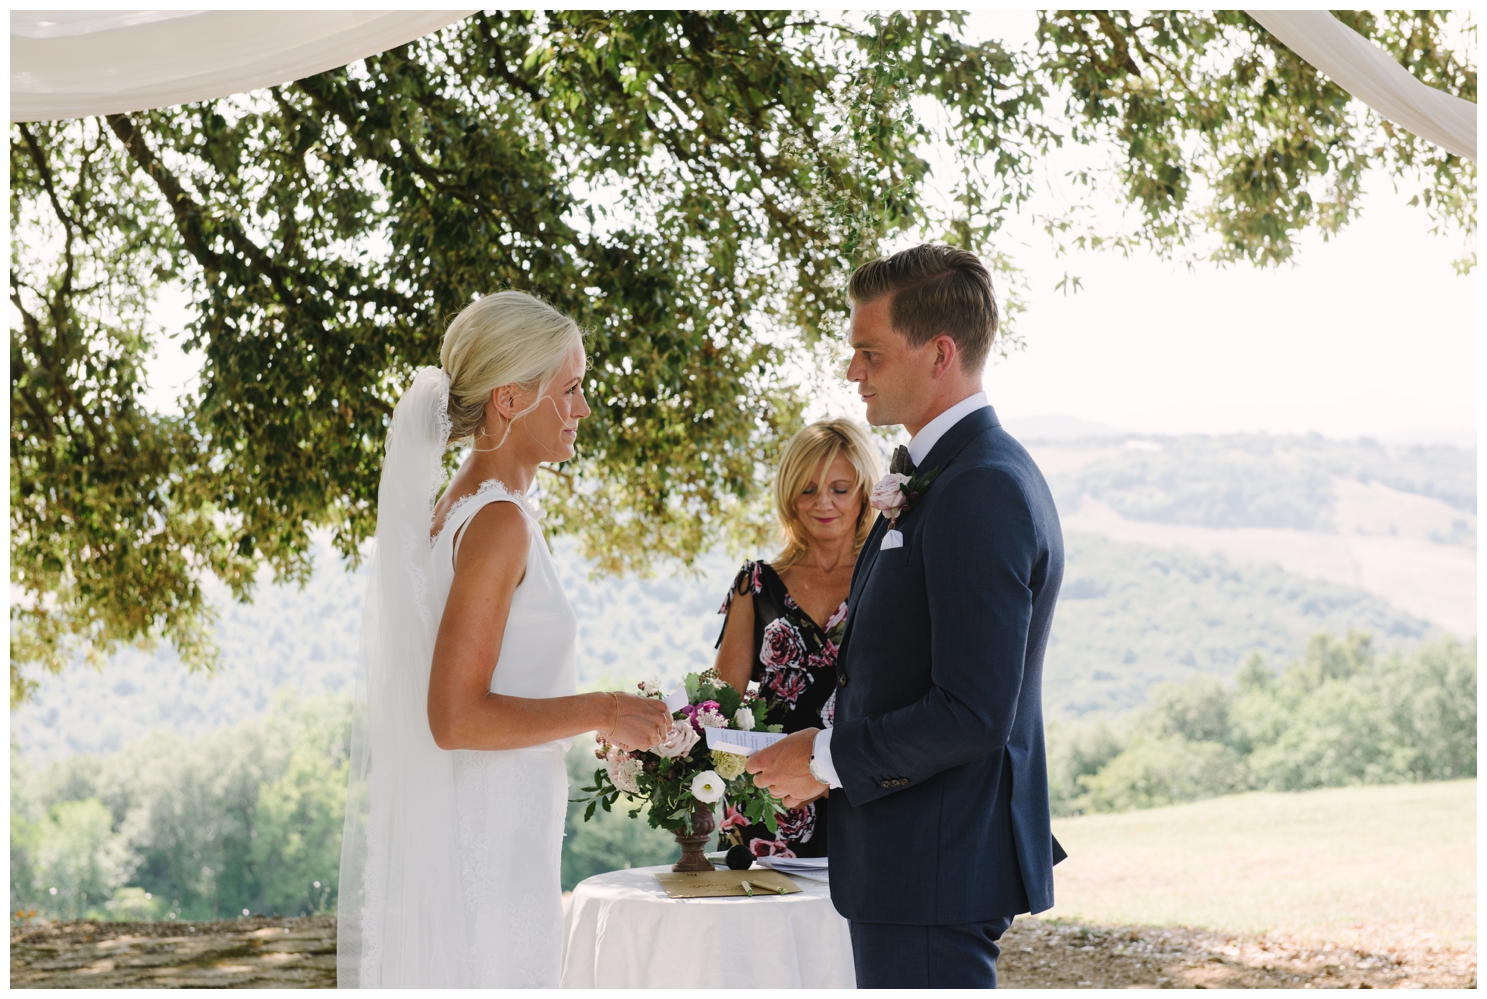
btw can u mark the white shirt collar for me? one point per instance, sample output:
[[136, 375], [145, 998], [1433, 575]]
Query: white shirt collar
[[929, 435]]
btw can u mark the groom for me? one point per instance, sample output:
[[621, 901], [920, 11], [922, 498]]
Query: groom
[[939, 784]]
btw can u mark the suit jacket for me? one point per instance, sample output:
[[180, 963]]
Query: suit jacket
[[942, 816]]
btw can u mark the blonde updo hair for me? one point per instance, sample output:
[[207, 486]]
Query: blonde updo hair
[[502, 339], [813, 448]]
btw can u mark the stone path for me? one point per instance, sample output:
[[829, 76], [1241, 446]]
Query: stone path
[[240, 953], [301, 953]]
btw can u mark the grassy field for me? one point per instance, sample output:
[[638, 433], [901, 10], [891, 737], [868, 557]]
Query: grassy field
[[1378, 867]]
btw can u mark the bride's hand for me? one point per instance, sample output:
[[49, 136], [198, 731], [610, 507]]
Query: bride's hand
[[639, 722]]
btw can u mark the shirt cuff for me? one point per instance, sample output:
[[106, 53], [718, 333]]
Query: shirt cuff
[[821, 757]]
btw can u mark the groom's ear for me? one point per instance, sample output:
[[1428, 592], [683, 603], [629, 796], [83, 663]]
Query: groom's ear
[[947, 355]]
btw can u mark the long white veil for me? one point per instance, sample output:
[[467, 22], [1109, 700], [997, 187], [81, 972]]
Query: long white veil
[[401, 919]]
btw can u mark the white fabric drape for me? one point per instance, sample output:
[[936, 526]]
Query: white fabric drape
[[78, 63], [622, 932], [1370, 74]]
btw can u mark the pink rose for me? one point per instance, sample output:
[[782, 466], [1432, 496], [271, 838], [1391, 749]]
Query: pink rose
[[886, 495], [782, 645], [678, 742]]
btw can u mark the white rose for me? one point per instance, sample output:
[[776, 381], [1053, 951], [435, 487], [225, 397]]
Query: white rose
[[886, 495], [650, 688], [678, 742], [707, 787], [743, 718], [711, 719]]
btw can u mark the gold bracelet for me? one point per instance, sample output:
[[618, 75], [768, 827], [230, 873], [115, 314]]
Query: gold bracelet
[[610, 737]]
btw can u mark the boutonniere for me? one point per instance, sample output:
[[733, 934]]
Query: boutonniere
[[895, 495]]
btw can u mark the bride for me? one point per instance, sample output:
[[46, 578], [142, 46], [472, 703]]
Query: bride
[[466, 688]]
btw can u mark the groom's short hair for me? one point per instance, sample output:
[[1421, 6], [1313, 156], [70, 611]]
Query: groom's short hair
[[936, 290]]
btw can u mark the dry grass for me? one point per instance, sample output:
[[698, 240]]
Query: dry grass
[[1381, 869]]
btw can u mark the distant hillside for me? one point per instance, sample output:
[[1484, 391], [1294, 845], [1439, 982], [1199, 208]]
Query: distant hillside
[[1258, 480], [1398, 522], [1130, 615], [305, 642]]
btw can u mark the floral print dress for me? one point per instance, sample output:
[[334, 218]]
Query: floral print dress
[[795, 667]]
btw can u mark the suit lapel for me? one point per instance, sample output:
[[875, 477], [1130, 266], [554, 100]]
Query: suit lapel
[[946, 449]]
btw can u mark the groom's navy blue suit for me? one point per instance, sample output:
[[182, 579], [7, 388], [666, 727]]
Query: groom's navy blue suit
[[940, 830]]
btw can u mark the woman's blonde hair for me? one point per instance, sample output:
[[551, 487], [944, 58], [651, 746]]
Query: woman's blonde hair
[[815, 447], [502, 339]]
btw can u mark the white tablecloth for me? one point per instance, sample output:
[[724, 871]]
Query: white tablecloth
[[622, 931]]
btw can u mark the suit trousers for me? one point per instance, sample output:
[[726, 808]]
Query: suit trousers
[[901, 956]]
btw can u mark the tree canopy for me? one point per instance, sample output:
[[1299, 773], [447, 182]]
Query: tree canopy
[[694, 187]]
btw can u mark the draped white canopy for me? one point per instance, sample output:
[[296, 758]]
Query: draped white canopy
[[73, 64], [78, 63], [1370, 74]]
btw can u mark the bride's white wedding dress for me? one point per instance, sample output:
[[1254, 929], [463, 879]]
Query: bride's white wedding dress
[[512, 803], [450, 860]]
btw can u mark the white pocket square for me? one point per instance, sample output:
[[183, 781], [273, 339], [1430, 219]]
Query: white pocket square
[[892, 539]]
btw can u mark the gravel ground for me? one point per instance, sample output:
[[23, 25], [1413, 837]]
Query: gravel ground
[[1054, 954], [301, 953]]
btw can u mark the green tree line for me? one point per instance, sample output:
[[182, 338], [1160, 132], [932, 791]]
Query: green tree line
[[1341, 714], [250, 817], [694, 186]]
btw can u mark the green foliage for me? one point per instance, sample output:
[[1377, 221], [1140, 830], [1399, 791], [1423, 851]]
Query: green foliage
[[247, 817], [1340, 715], [694, 186], [72, 860], [1224, 130]]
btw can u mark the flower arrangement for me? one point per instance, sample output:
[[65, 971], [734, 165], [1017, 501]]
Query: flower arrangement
[[680, 774]]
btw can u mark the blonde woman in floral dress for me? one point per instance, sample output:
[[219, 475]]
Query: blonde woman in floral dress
[[785, 617]]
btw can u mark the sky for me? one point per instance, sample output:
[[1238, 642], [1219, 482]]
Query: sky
[[1370, 334]]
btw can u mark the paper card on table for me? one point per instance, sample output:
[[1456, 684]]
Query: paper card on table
[[731, 740], [722, 884], [676, 700]]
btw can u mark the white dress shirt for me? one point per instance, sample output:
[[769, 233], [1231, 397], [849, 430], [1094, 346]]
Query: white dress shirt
[[923, 442]]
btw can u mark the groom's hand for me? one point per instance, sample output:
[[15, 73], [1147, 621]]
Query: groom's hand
[[785, 768]]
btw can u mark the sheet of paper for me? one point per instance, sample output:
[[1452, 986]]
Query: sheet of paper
[[740, 743], [811, 868], [676, 700]]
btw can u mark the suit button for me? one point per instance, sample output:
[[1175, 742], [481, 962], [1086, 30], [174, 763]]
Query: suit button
[[902, 781], [886, 783], [841, 679]]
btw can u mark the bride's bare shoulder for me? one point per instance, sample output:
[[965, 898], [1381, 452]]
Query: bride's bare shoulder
[[496, 535]]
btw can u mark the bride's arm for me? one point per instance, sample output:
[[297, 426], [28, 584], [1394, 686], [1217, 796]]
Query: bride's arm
[[463, 713]]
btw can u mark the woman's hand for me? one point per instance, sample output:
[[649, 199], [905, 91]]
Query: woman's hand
[[639, 722]]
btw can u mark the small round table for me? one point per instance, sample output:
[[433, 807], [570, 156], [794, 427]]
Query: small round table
[[623, 932]]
